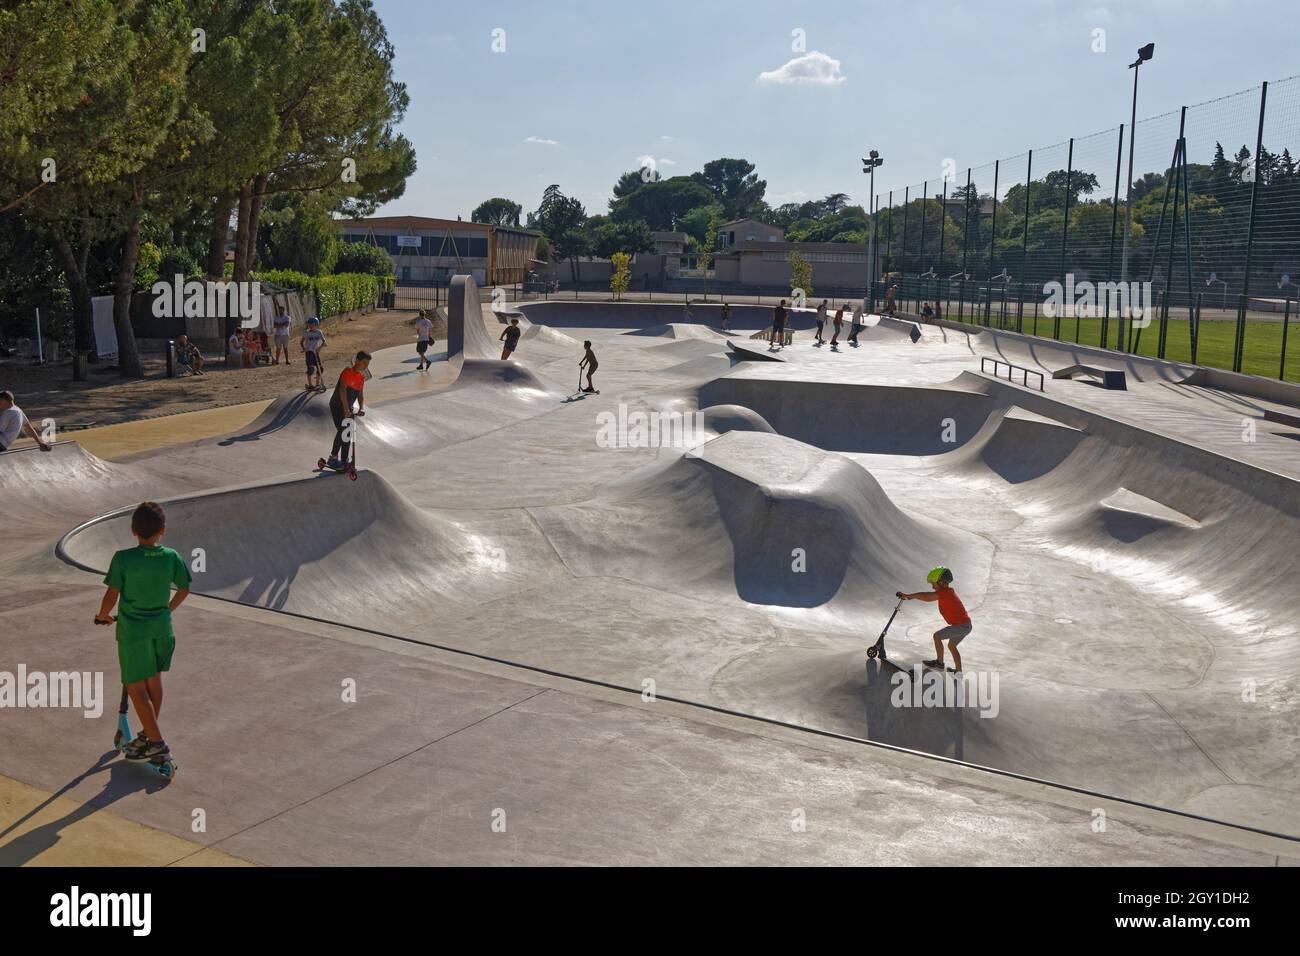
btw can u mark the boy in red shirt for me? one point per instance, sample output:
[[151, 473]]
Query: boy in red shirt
[[349, 390], [953, 611]]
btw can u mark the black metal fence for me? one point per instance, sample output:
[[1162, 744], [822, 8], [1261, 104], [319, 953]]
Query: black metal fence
[[1213, 249]]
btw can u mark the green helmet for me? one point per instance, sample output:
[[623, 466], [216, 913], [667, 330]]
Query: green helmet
[[939, 574]]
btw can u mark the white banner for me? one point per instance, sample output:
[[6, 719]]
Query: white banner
[[408, 241], [102, 323]]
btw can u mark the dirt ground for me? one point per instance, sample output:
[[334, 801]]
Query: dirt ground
[[48, 391]]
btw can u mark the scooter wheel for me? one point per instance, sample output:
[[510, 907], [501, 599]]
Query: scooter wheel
[[117, 740], [320, 464], [352, 475], [871, 653]]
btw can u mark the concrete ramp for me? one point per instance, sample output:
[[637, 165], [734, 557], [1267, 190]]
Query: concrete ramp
[[550, 336], [734, 510], [67, 484], [327, 547], [875, 419], [682, 330], [467, 335], [1019, 446], [781, 499]]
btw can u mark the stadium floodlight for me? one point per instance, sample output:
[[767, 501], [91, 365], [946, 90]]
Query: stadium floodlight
[[959, 275], [1145, 53]]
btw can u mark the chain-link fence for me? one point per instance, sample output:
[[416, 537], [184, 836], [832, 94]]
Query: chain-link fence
[[1210, 271]]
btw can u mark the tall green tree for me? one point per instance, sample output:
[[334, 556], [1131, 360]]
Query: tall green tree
[[734, 185], [561, 219], [497, 212]]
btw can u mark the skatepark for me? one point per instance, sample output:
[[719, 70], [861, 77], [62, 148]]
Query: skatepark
[[641, 652]]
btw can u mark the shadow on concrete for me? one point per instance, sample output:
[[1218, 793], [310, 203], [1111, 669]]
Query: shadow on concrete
[[284, 415], [123, 780]]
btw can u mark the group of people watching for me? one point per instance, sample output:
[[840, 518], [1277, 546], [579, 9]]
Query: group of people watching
[[245, 348]]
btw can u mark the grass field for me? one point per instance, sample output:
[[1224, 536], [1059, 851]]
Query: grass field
[[1263, 346]]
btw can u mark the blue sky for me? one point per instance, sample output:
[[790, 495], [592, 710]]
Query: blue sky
[[583, 90]]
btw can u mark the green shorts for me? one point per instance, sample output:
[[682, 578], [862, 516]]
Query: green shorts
[[143, 658]]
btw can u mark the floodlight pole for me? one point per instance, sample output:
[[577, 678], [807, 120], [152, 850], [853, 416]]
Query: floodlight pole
[[1144, 54]]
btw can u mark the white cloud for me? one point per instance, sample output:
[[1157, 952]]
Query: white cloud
[[813, 68], [666, 138], [779, 199], [541, 141]]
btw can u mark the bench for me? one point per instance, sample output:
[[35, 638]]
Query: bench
[[1107, 377]]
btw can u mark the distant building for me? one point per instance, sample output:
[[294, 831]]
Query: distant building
[[425, 250], [753, 253], [747, 230], [748, 253]]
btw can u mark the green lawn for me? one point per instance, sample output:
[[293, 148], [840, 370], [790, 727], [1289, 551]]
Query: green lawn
[[1263, 341]]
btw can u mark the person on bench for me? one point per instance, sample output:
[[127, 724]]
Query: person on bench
[[188, 356]]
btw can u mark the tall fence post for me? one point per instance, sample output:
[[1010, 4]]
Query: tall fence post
[[1110, 255], [920, 266], [1242, 307], [1180, 160], [1286, 323], [943, 231], [1065, 232], [907, 213], [966, 224], [889, 237], [1024, 245], [993, 223]]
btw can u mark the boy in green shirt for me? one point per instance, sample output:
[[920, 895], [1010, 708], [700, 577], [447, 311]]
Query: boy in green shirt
[[142, 578]]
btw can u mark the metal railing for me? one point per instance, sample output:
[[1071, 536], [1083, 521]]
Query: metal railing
[[1012, 367]]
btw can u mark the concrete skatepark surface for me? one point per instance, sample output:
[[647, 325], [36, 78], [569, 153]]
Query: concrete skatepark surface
[[1125, 557]]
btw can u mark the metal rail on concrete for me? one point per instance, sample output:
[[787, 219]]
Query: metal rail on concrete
[[1011, 368]]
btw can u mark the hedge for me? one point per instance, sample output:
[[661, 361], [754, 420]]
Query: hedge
[[335, 294]]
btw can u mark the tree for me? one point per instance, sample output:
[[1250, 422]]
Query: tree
[[497, 212], [800, 274], [734, 184], [364, 258], [630, 182], [622, 275], [664, 203], [303, 238], [705, 256], [60, 64], [835, 202], [612, 237], [561, 219]]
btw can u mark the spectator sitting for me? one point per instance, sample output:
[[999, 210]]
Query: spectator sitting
[[252, 347], [237, 350], [189, 356]]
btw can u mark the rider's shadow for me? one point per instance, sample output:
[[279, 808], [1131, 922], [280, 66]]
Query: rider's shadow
[[122, 781]]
